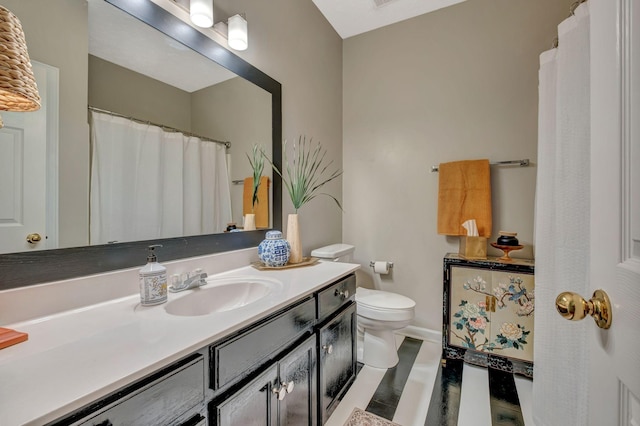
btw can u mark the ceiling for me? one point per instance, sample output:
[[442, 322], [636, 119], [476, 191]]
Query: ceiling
[[353, 17], [119, 38]]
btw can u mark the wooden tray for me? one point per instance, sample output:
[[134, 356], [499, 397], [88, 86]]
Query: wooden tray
[[10, 337], [306, 261]]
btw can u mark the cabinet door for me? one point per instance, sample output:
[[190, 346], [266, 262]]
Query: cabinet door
[[298, 374], [512, 318], [492, 311], [471, 299], [488, 315], [337, 359], [253, 405]]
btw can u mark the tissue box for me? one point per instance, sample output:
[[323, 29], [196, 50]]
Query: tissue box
[[473, 247]]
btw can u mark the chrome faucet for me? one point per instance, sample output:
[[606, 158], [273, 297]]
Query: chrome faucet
[[187, 281]]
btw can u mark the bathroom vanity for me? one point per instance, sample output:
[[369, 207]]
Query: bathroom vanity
[[488, 312], [286, 358]]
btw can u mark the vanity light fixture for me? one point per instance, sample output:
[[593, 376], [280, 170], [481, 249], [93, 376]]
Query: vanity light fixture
[[235, 31], [237, 36], [18, 89], [201, 13]]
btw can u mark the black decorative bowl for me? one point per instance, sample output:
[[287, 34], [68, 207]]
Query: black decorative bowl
[[507, 239]]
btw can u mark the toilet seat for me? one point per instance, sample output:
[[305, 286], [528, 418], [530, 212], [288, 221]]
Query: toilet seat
[[383, 305]]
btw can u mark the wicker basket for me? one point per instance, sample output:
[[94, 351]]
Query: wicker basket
[[18, 89]]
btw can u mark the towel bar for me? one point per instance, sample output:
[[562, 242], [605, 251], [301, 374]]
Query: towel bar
[[521, 163]]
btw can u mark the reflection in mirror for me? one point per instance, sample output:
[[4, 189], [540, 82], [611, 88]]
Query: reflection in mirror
[[136, 71], [155, 181], [16, 268]]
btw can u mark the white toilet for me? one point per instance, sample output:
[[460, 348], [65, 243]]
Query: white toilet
[[379, 314]]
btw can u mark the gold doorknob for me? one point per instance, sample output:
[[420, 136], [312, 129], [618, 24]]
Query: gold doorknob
[[573, 307], [33, 238]]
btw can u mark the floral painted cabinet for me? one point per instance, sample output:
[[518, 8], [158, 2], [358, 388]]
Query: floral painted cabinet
[[489, 312]]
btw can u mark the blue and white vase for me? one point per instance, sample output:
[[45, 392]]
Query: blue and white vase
[[274, 251]]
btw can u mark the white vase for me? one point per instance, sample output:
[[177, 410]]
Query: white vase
[[249, 222], [293, 237]]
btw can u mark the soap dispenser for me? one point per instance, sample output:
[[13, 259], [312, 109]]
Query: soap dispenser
[[153, 280]]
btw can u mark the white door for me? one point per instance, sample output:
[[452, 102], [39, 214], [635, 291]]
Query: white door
[[28, 166], [614, 354]]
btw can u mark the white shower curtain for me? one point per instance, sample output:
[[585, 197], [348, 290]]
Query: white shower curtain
[[562, 224], [147, 183]]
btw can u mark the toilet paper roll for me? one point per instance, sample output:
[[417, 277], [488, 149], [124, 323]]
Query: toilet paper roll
[[381, 267]]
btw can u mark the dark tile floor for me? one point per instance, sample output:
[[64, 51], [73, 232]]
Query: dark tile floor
[[425, 390]]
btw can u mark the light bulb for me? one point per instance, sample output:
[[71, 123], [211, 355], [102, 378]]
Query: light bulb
[[201, 13], [238, 33]]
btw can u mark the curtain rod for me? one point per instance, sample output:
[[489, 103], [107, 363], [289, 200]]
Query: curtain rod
[[162, 126], [521, 163], [574, 6], [572, 12]]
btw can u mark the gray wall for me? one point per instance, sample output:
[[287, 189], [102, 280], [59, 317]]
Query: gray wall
[[118, 89], [291, 41], [458, 83]]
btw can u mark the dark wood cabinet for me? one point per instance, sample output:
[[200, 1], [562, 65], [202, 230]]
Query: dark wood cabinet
[[337, 359], [298, 378], [238, 356], [284, 394], [253, 405], [488, 312], [289, 368], [174, 395], [304, 385]]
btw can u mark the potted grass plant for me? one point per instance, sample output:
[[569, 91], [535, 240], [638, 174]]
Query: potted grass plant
[[304, 173], [256, 160]]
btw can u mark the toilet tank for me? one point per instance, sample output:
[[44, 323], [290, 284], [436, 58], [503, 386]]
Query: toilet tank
[[335, 253]]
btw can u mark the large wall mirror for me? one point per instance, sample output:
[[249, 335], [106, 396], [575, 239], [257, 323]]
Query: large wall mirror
[[207, 104]]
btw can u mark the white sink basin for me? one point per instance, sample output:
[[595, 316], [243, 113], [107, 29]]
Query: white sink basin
[[222, 295]]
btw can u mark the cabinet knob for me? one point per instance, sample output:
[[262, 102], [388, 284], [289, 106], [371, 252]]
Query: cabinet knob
[[284, 389], [328, 348], [342, 293], [288, 386], [280, 392]]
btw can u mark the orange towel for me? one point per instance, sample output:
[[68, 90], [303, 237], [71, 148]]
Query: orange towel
[[464, 192], [261, 209]]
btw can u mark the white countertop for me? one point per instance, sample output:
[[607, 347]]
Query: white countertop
[[75, 357]]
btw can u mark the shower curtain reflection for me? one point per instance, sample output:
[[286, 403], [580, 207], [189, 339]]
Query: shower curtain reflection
[[148, 183]]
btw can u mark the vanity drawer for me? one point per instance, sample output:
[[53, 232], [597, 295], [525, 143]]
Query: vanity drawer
[[336, 295], [236, 358], [160, 400]]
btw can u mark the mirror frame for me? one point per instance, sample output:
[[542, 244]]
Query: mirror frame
[[28, 268]]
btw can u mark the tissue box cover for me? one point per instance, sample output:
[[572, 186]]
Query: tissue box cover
[[473, 247]]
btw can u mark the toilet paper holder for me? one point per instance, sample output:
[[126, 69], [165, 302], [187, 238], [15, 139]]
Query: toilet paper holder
[[372, 263]]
